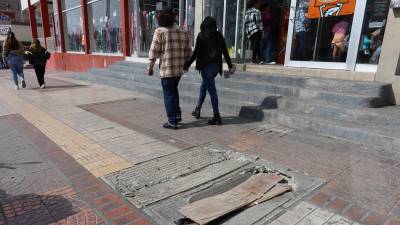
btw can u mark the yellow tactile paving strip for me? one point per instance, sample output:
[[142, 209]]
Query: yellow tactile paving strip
[[92, 156]]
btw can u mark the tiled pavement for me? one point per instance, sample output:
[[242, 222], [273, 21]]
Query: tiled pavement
[[81, 132]]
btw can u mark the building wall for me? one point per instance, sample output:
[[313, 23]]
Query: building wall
[[80, 62], [389, 64]]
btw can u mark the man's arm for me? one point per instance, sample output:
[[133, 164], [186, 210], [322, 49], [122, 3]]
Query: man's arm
[[155, 52]]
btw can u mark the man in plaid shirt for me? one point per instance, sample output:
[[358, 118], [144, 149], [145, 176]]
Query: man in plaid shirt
[[172, 46], [254, 27]]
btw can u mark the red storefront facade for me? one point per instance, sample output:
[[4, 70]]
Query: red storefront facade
[[96, 33]]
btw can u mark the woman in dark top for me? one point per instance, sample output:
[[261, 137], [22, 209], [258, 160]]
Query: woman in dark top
[[210, 46], [38, 57]]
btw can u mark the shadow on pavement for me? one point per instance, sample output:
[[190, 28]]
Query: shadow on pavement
[[35, 209], [229, 120]]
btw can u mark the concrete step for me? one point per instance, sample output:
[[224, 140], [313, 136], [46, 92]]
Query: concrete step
[[388, 138], [227, 106], [334, 85], [252, 97], [261, 88], [375, 117]]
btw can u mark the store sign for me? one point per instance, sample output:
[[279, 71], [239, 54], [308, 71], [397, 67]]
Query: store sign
[[4, 29], [326, 8], [395, 4]]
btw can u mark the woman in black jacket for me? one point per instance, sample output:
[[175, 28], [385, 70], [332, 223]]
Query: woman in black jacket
[[210, 46], [38, 57]]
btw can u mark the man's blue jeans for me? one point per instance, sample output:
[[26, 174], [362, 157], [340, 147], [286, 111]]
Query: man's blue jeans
[[171, 98], [267, 46], [208, 73]]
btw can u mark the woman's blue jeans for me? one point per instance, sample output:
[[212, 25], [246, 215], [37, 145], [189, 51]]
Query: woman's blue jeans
[[208, 73], [16, 65]]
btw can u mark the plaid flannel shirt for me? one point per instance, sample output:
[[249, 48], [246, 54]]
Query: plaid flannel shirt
[[253, 21], [172, 47]]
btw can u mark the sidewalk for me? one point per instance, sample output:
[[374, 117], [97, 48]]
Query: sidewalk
[[59, 145]]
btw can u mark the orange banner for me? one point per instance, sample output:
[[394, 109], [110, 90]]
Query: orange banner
[[326, 8]]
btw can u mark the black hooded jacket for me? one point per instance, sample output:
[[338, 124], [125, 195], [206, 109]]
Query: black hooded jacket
[[209, 50]]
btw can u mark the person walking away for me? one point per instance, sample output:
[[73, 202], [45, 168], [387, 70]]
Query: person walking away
[[210, 46], [38, 57], [13, 56], [254, 28], [172, 46], [301, 27], [268, 25]]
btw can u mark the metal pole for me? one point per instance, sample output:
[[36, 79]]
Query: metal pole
[[317, 39], [224, 19], [237, 28]]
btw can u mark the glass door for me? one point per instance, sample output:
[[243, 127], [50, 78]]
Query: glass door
[[323, 33], [373, 30]]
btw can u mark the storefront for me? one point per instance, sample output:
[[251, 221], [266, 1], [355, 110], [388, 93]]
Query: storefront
[[336, 34], [328, 34]]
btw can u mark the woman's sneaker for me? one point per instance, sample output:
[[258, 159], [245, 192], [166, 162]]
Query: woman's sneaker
[[16, 87], [23, 84], [42, 86]]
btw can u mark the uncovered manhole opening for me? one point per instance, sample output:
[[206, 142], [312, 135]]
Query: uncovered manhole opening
[[210, 205], [253, 186]]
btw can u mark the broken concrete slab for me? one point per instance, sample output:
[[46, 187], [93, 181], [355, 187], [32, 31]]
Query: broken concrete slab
[[212, 208], [166, 212], [167, 176]]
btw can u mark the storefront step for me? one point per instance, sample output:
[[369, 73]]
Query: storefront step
[[320, 73], [232, 94], [258, 90], [227, 106], [373, 117], [380, 136], [335, 85]]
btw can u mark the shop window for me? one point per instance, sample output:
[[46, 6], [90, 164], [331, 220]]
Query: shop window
[[143, 22], [57, 38], [373, 31], [70, 4], [215, 8], [105, 32], [73, 25], [322, 35]]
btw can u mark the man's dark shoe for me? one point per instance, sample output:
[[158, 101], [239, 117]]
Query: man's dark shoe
[[170, 126], [23, 84], [216, 120], [196, 113], [179, 119]]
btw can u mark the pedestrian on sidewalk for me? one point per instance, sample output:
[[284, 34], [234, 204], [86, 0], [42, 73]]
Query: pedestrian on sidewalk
[[171, 45], [210, 46], [13, 54], [38, 57], [268, 26], [254, 30]]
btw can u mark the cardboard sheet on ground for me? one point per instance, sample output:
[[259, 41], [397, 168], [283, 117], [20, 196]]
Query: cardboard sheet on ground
[[212, 208]]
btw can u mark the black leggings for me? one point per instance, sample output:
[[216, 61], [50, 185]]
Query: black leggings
[[255, 40], [40, 69]]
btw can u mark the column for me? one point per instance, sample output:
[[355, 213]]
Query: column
[[85, 26], [32, 20], [60, 25], [125, 27], [45, 20]]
